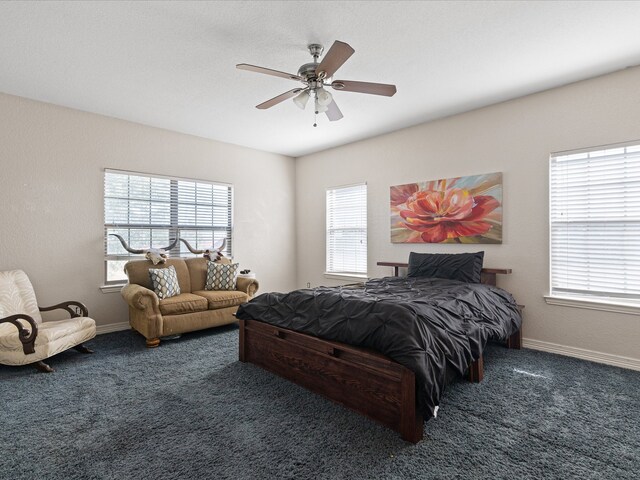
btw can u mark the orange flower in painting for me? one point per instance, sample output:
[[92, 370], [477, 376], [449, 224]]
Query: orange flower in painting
[[452, 213]]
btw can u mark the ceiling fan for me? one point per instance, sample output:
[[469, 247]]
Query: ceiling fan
[[316, 76]]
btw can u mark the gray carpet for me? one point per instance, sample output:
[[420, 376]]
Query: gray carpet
[[189, 409]]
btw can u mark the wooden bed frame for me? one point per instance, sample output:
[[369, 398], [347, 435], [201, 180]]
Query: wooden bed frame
[[358, 378]]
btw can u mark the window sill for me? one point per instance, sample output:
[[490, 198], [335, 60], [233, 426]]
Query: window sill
[[111, 288], [602, 304], [347, 276]]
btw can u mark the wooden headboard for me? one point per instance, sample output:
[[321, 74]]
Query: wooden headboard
[[488, 274]]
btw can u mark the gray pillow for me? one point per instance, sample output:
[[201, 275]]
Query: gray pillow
[[165, 281], [221, 276], [465, 267]]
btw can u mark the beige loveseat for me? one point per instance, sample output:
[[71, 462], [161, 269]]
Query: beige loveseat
[[194, 309]]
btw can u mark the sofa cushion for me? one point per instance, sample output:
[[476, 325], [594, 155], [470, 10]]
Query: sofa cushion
[[164, 281], [138, 272], [223, 298], [183, 303], [198, 271], [17, 296], [221, 277]]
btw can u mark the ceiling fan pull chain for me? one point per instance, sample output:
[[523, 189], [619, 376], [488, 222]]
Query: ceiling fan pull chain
[[315, 118]]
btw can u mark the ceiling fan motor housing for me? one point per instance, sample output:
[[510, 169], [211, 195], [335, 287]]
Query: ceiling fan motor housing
[[308, 71]]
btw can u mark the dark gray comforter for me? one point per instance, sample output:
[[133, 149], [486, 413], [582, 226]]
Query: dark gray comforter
[[430, 325]]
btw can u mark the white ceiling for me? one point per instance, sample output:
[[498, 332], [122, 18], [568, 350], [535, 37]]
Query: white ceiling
[[172, 64]]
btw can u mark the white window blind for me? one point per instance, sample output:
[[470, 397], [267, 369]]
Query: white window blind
[[595, 223], [347, 229], [148, 210]]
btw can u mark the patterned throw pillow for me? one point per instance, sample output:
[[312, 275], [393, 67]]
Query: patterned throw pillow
[[221, 276], [165, 281]]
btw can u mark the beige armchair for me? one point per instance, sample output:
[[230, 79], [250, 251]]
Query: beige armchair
[[193, 309], [24, 337]]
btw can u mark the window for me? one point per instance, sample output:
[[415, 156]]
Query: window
[[595, 224], [347, 230], [149, 210]]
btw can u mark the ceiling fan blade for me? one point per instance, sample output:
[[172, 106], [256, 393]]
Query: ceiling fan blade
[[268, 71], [364, 87], [333, 112], [280, 98], [334, 58]]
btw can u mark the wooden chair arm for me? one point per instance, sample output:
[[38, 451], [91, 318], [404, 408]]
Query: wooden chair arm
[[79, 310], [28, 338]]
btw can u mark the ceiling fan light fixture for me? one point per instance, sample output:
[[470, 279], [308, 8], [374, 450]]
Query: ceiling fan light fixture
[[321, 108], [323, 97], [301, 99]]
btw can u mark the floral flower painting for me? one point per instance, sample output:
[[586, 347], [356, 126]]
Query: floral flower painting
[[451, 210]]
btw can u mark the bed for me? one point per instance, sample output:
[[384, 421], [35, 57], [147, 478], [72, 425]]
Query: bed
[[349, 344]]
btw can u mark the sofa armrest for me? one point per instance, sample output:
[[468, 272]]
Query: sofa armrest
[[140, 298], [247, 285], [144, 311]]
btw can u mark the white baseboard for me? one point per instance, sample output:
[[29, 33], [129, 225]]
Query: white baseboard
[[112, 327], [599, 357], [593, 356]]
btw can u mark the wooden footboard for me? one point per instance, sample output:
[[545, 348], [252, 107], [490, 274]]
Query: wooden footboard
[[362, 380]]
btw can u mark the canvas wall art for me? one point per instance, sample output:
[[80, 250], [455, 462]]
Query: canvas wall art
[[450, 210]]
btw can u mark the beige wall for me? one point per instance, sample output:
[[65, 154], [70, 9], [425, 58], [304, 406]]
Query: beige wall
[[514, 137], [51, 176], [51, 188]]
